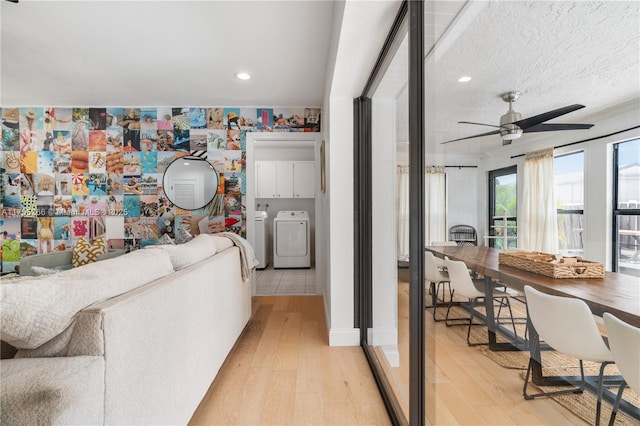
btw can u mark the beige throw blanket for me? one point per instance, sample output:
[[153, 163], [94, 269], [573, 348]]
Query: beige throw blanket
[[248, 260]]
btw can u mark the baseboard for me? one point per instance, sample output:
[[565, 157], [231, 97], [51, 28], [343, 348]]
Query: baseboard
[[392, 355], [344, 337], [382, 337], [340, 337]]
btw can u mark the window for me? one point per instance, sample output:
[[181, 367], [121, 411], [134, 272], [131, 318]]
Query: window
[[503, 208], [569, 191], [626, 207]]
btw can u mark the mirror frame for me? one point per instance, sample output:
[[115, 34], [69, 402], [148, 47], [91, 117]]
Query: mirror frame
[[175, 169]]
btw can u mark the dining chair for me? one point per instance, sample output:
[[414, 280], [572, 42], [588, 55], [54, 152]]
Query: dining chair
[[518, 296], [437, 279], [567, 325], [462, 285], [464, 235], [440, 262], [624, 343]]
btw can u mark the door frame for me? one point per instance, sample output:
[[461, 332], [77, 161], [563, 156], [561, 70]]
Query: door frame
[[283, 140]]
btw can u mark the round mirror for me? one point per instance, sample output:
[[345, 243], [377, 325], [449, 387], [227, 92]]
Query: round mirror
[[190, 183]]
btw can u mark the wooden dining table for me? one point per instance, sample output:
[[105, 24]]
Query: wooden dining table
[[615, 293], [618, 294]]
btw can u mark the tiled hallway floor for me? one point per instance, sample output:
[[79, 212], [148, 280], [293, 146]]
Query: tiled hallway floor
[[271, 281]]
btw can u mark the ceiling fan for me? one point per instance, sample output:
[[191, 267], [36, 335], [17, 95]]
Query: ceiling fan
[[512, 125]]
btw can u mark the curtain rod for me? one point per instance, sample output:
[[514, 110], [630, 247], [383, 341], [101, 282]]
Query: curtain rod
[[586, 140]]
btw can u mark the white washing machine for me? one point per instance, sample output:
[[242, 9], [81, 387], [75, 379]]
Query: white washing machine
[[260, 239], [292, 240]]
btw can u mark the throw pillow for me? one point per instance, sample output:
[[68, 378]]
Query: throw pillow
[[186, 254], [85, 252]]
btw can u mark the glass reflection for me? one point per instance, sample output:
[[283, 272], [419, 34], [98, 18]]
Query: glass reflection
[[389, 335]]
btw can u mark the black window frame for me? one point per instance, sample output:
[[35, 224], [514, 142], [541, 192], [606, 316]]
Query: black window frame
[[560, 211], [493, 174], [617, 211]]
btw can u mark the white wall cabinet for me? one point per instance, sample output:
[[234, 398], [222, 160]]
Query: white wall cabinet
[[266, 179], [285, 179], [303, 179]]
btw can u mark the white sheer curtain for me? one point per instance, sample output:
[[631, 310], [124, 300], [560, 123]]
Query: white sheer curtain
[[435, 224], [402, 213], [435, 208], [539, 222]]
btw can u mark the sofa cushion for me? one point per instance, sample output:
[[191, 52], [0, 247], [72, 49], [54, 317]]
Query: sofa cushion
[[37, 309], [41, 270], [222, 243], [85, 252], [193, 251], [52, 391], [16, 279]]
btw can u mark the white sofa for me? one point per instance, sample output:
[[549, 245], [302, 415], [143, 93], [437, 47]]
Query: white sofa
[[136, 339]]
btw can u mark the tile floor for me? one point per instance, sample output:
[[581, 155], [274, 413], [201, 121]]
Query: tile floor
[[271, 281]]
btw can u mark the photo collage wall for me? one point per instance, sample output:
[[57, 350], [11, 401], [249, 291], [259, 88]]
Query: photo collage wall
[[85, 172]]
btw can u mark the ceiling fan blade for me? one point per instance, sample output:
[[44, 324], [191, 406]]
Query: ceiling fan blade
[[526, 123], [551, 127], [495, 132], [479, 124]]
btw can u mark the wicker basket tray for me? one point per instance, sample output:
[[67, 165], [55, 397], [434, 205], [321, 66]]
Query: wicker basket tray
[[549, 266]]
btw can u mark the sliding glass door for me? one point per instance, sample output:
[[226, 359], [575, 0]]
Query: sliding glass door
[[391, 309]]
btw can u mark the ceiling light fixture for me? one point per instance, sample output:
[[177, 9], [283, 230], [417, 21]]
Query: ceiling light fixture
[[243, 76], [464, 79]]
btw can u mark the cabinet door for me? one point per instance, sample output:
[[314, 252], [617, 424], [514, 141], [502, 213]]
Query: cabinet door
[[303, 179], [266, 179], [285, 179]]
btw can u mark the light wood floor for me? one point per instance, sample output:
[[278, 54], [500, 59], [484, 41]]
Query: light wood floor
[[465, 387], [282, 371]]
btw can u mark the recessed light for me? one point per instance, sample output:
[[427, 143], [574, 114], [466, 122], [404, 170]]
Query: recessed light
[[243, 76], [464, 79]]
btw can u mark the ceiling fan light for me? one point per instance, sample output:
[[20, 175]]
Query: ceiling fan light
[[510, 131], [511, 136]]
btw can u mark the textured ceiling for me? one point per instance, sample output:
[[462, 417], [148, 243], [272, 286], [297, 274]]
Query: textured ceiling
[[556, 53], [163, 52]]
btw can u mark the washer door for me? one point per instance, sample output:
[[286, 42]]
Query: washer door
[[291, 238]]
